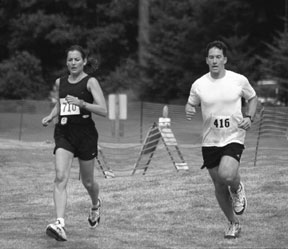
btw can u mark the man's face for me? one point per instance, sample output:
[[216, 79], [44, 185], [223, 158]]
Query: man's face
[[216, 61]]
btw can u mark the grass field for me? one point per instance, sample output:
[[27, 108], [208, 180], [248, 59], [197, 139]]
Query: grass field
[[163, 209]]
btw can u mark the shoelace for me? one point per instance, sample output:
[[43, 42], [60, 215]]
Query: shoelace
[[93, 213], [233, 227], [238, 195]]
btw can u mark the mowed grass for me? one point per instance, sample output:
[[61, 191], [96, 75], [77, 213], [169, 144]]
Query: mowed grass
[[163, 209]]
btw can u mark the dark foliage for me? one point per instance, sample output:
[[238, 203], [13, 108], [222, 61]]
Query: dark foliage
[[36, 33]]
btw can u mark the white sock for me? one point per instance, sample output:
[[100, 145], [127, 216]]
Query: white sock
[[61, 221]]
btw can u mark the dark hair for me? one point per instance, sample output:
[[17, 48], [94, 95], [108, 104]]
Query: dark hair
[[92, 64], [218, 44], [77, 48]]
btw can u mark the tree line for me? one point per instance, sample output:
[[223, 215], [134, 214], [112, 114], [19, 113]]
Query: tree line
[[158, 64]]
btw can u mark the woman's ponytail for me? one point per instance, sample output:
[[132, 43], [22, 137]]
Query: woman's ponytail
[[92, 66]]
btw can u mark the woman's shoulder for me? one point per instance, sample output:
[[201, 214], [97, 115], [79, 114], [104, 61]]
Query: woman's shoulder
[[92, 80], [57, 81], [62, 78]]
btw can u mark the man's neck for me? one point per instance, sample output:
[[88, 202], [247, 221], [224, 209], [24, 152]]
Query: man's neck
[[219, 75]]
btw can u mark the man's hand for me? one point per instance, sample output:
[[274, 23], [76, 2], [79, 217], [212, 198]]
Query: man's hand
[[190, 111], [245, 123]]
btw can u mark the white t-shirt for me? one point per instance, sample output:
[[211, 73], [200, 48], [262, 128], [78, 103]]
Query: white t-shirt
[[220, 101]]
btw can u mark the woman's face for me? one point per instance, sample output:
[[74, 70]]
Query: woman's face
[[75, 62]]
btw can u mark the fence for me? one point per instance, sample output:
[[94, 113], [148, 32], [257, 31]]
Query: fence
[[272, 134], [21, 120]]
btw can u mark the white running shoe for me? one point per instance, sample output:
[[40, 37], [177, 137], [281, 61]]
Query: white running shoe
[[56, 231], [239, 200], [94, 215], [233, 231]]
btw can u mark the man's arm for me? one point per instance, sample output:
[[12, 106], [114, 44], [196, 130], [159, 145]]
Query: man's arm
[[252, 107], [249, 116], [190, 111]]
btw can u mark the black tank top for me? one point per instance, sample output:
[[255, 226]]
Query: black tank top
[[71, 114]]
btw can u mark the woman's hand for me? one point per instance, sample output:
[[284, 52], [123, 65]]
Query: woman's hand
[[75, 101], [46, 120]]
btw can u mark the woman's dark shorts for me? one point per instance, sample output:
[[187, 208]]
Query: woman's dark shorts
[[212, 155], [81, 140]]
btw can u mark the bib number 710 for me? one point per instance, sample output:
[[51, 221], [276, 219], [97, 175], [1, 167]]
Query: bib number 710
[[68, 109], [222, 122]]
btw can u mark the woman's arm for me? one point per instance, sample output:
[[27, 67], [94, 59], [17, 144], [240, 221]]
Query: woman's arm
[[99, 106], [55, 111]]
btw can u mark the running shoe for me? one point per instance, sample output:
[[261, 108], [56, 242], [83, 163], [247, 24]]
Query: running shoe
[[94, 215], [239, 200], [233, 231], [56, 231]]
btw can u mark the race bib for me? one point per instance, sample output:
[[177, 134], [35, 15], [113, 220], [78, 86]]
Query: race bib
[[221, 122], [68, 109], [223, 126], [219, 130]]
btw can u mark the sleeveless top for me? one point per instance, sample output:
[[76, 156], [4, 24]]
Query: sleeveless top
[[69, 113]]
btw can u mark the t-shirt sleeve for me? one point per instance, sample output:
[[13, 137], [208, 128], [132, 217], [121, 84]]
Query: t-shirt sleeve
[[248, 91], [194, 98]]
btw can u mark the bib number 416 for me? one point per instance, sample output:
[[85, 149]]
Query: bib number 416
[[222, 123]]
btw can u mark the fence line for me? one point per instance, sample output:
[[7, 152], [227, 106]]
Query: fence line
[[21, 120], [273, 125]]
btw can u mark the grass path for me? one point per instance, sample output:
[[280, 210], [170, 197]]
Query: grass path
[[163, 209]]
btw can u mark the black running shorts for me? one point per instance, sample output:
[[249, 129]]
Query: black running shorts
[[212, 155], [81, 140]]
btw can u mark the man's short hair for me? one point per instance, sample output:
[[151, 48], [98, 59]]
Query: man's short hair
[[218, 44]]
